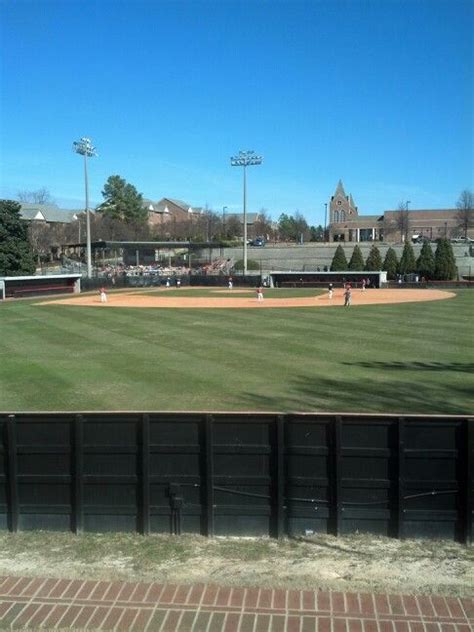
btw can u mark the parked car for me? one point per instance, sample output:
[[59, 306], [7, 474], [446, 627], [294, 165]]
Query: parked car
[[258, 242]]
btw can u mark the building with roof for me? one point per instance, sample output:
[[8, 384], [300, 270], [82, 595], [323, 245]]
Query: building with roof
[[168, 209], [347, 225], [47, 214]]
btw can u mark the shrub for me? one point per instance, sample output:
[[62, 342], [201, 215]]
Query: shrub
[[374, 260], [390, 264], [357, 260], [339, 261]]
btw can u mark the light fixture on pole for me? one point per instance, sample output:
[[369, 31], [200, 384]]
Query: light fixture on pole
[[84, 148], [407, 203], [245, 159]]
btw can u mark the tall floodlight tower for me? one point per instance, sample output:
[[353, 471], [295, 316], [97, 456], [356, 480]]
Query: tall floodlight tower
[[84, 148], [325, 221], [245, 159]]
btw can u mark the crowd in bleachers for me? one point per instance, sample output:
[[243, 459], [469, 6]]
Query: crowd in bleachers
[[113, 272]]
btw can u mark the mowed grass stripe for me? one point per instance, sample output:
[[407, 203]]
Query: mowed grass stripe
[[389, 358]]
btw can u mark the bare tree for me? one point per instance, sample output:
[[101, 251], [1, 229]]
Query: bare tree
[[402, 220], [233, 227], [41, 196], [39, 236], [465, 214], [263, 224]]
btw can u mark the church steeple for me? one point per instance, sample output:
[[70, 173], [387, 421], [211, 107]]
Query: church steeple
[[341, 207], [340, 189]]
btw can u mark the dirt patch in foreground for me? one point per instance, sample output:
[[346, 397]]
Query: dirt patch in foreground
[[360, 563], [228, 301]]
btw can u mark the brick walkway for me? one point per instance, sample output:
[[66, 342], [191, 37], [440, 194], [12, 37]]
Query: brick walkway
[[51, 604]]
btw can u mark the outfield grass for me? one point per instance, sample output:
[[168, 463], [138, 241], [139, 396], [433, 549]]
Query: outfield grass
[[412, 357]]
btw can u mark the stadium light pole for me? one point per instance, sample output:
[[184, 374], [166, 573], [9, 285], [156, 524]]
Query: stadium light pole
[[84, 148], [224, 208], [245, 159], [325, 220]]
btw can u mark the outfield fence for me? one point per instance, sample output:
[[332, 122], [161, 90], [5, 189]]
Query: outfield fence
[[236, 474]]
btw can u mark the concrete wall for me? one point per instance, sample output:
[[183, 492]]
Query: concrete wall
[[312, 256]]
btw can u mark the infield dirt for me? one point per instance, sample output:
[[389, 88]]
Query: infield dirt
[[227, 299]]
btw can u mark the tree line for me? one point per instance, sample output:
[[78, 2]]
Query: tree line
[[122, 216], [440, 265]]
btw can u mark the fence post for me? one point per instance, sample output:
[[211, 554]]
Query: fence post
[[401, 479], [12, 473], [78, 478], [469, 505], [280, 476], [145, 475], [336, 479], [209, 475]]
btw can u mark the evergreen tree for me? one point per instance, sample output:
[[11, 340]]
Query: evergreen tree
[[425, 264], [15, 254], [122, 202], [374, 260], [407, 262], [291, 227], [390, 264], [445, 263], [357, 260], [339, 261]]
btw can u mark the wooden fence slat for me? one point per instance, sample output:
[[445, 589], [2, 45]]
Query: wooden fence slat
[[144, 510], [12, 475], [78, 474], [401, 479], [469, 505], [280, 477], [336, 482], [208, 468]]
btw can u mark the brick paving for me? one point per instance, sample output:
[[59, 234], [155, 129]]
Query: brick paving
[[61, 604]]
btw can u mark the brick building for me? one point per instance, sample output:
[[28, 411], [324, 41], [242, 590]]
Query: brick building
[[345, 223], [167, 210]]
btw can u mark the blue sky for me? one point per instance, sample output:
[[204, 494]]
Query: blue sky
[[376, 92]]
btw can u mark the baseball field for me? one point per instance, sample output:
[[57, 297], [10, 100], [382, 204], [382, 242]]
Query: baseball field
[[205, 349]]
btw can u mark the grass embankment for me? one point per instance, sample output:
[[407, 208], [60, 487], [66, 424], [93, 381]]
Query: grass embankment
[[406, 358], [362, 563]]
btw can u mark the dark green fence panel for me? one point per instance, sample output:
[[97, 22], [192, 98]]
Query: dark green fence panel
[[434, 478], [309, 467], [175, 473], [238, 473], [43, 472], [243, 450], [111, 465]]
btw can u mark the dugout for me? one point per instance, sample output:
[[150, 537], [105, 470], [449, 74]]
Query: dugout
[[25, 286], [322, 279]]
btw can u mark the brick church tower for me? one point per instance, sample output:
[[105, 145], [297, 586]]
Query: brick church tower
[[341, 207]]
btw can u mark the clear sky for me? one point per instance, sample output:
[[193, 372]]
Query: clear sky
[[378, 93]]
